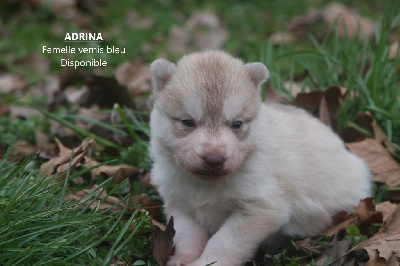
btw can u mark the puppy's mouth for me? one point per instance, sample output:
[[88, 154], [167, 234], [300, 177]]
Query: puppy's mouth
[[209, 174]]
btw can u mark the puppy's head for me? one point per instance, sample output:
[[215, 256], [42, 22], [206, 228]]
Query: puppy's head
[[204, 111]]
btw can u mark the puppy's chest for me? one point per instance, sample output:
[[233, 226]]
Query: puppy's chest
[[212, 216]]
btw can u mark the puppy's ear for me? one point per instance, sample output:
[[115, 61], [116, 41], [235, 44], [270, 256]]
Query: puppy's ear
[[258, 73], [160, 72]]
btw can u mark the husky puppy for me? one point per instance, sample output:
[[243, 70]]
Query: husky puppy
[[234, 171]]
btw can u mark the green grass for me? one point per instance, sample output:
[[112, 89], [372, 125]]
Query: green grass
[[363, 68], [38, 227]]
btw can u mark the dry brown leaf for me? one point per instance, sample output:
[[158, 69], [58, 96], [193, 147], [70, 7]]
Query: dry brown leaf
[[17, 112], [144, 180], [203, 30], [121, 171], [162, 242], [136, 77], [147, 204], [100, 90], [351, 134], [61, 163], [103, 201], [324, 104], [36, 62], [24, 148], [10, 83], [60, 130], [273, 96], [375, 260], [346, 22], [324, 114], [3, 109], [386, 208], [53, 92], [333, 248], [364, 213], [386, 242], [294, 88], [106, 91], [384, 168], [394, 50], [178, 40], [135, 20], [281, 37], [380, 136]]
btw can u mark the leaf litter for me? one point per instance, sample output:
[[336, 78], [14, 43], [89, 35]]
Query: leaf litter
[[131, 80]]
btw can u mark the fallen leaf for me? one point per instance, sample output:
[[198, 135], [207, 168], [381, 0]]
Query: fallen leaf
[[103, 201], [364, 213], [121, 172], [324, 104], [10, 83], [162, 242], [178, 40], [394, 50], [386, 208], [60, 130], [335, 250], [3, 109], [53, 92], [203, 30], [351, 134], [273, 96], [135, 20], [386, 242], [147, 204], [384, 168], [106, 91], [347, 23], [23, 149], [375, 260], [380, 136], [324, 113], [294, 88], [61, 163], [136, 77], [17, 112], [145, 181], [394, 193], [281, 37], [36, 62]]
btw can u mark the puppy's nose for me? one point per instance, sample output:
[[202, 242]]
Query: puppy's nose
[[214, 161]]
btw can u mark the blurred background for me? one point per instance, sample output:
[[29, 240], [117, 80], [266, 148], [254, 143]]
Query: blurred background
[[337, 59]]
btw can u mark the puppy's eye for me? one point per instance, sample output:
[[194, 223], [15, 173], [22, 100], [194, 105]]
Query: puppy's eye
[[188, 122], [237, 124]]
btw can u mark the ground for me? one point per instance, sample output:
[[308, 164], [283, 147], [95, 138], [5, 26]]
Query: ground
[[74, 131]]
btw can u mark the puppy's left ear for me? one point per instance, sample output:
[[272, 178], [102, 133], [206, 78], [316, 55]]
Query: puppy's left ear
[[160, 72], [258, 73]]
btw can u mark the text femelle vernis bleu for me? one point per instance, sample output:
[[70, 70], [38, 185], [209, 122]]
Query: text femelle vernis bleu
[[82, 50]]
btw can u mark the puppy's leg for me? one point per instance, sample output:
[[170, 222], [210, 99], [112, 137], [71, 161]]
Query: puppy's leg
[[237, 240], [190, 240]]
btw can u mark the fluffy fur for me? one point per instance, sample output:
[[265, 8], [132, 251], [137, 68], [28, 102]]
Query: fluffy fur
[[229, 188]]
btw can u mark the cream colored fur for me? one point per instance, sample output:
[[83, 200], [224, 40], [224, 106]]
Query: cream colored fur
[[283, 171]]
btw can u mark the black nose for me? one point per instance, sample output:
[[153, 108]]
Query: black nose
[[214, 161]]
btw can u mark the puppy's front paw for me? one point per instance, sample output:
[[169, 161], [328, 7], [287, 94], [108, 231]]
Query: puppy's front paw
[[181, 260]]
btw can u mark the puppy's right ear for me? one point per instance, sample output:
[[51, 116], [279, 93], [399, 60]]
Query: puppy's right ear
[[160, 72]]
